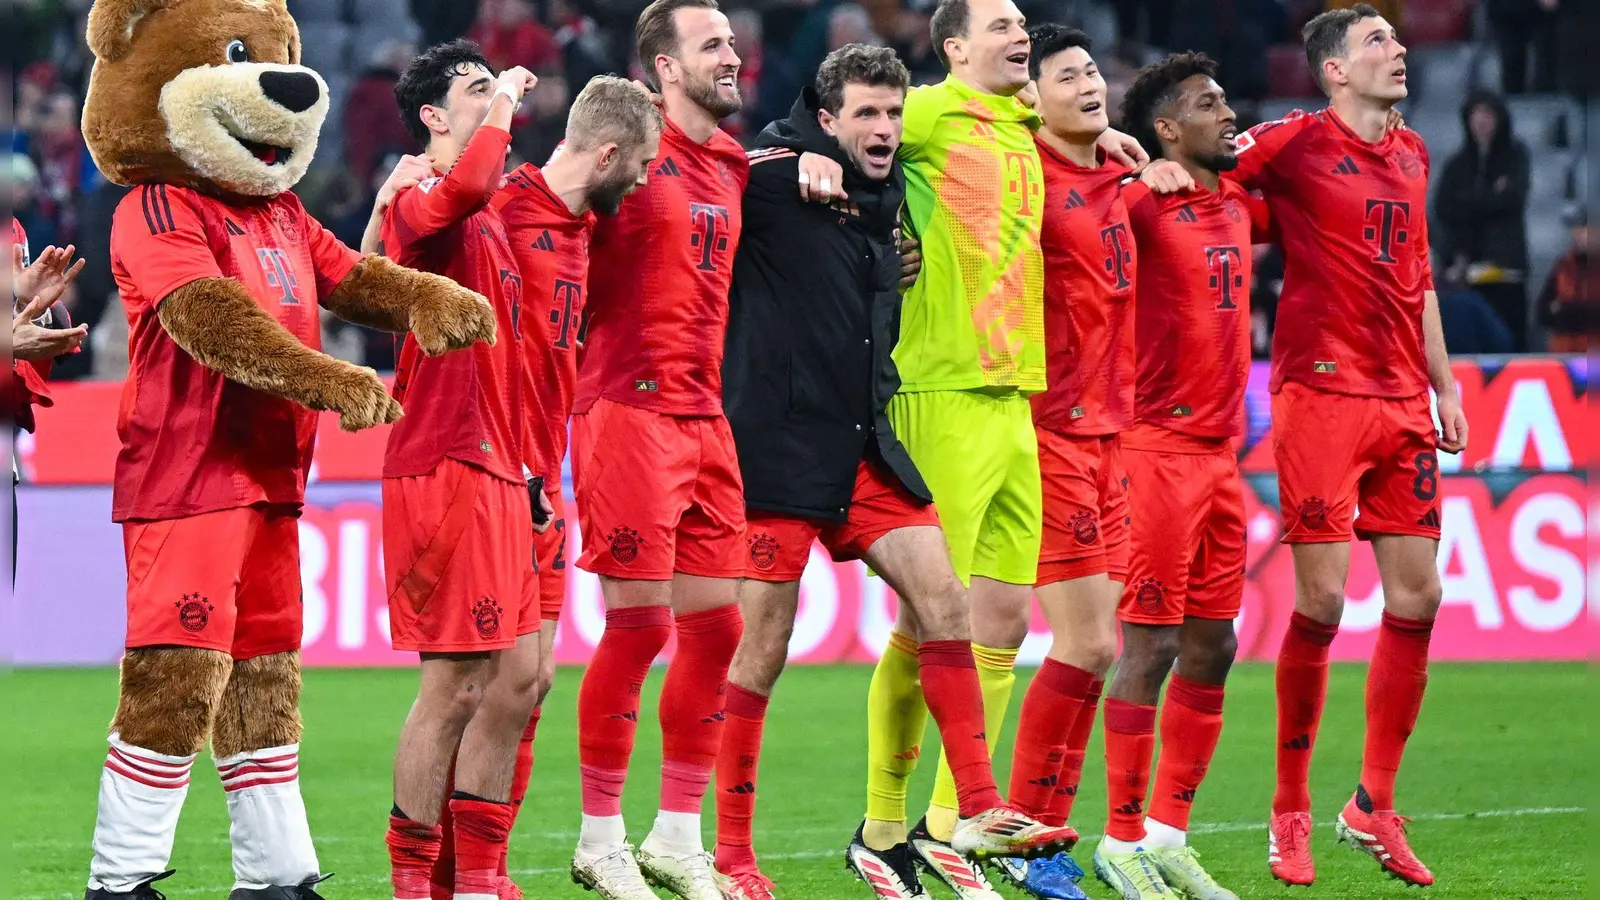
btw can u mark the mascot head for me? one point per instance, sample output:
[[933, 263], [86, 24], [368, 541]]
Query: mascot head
[[209, 94]]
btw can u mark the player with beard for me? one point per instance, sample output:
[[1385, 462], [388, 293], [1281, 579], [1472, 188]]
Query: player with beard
[[814, 319], [613, 132], [1089, 275], [657, 477], [1357, 346], [1187, 530]]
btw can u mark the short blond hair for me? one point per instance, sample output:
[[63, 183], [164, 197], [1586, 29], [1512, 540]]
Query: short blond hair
[[610, 108]]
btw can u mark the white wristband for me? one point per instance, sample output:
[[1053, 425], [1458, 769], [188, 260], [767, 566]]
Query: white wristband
[[510, 94]]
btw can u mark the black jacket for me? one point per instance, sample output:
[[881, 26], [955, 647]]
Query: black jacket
[[813, 318], [1482, 197]]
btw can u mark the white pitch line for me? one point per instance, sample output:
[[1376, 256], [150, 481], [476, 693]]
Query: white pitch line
[[1220, 828]]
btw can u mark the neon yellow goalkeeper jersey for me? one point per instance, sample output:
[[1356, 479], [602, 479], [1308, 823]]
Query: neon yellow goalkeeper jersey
[[975, 199]]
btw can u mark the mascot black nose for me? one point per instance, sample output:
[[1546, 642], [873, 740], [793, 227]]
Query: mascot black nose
[[294, 91]]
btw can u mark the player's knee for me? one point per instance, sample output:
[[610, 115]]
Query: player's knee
[[1322, 600], [1211, 661], [1419, 600], [1093, 652]]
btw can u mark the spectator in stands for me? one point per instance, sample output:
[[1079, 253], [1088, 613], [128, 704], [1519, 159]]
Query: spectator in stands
[[1519, 25], [510, 34], [1481, 210], [371, 129], [1568, 304], [1471, 326], [26, 201]]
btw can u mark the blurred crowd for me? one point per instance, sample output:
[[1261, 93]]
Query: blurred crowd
[[1490, 300]]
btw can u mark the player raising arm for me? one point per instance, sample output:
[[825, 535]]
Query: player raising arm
[[457, 543], [1357, 345]]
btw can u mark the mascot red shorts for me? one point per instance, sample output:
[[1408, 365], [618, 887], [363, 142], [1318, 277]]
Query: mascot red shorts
[[227, 581]]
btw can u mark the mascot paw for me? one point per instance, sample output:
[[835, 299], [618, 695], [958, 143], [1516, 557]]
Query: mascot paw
[[361, 400], [453, 318]]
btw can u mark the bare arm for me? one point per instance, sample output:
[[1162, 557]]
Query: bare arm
[[1452, 421]]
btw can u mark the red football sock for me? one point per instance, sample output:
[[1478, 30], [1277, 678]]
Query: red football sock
[[1395, 684], [1302, 687], [1049, 711], [443, 878], [1191, 722], [520, 778], [413, 848], [482, 829], [1072, 763], [1130, 737], [955, 700], [736, 776], [608, 700], [692, 700]]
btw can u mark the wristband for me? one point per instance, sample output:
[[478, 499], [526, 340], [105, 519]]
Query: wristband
[[511, 95]]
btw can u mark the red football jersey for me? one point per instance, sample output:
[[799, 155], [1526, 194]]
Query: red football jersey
[[193, 441], [465, 405], [1089, 261], [658, 291], [551, 246], [1353, 220], [1193, 326]]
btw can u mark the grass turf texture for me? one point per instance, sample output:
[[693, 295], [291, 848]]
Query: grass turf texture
[[1493, 739]]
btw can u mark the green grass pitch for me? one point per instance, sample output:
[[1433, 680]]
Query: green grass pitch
[[1495, 778]]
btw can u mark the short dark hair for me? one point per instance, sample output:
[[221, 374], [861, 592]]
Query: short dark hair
[[1049, 39], [858, 64], [1324, 35], [426, 82], [657, 33], [1155, 88], [950, 19]]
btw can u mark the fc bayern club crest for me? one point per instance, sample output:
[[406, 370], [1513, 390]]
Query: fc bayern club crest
[[763, 551], [1149, 596], [486, 618], [194, 613], [1314, 513], [625, 545], [1084, 527]]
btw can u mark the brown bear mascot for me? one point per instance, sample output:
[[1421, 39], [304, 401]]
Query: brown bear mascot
[[203, 107]]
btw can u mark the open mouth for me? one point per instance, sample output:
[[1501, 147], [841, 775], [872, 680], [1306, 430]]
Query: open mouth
[[880, 154], [1019, 58], [1090, 108], [1399, 74], [268, 153], [1229, 133], [728, 80]]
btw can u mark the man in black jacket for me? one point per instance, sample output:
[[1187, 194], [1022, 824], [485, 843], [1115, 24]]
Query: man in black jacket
[[814, 317]]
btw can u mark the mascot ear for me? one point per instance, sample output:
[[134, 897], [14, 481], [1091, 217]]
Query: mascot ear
[[111, 24]]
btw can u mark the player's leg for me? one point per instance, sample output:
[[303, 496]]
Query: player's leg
[[256, 735], [1004, 566], [1319, 448], [769, 596], [1074, 593], [1400, 513], [710, 560], [633, 475], [173, 675], [937, 429]]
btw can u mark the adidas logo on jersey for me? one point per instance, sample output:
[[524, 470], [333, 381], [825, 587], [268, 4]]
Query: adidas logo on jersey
[[545, 242], [668, 169], [1075, 200], [1430, 519], [1346, 166], [1186, 214], [981, 129]]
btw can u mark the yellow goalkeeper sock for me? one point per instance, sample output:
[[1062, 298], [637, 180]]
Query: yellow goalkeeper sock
[[896, 719], [996, 678]]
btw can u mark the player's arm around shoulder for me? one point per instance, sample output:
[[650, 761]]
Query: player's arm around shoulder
[[770, 194]]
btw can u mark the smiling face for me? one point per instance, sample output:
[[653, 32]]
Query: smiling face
[[1373, 66], [868, 126], [1202, 126], [203, 93], [1072, 95], [706, 67], [993, 54]]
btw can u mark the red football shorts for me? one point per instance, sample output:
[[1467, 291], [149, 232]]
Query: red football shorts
[[227, 581], [552, 550], [657, 494], [458, 561], [1187, 538], [1085, 508], [1335, 452], [779, 544]]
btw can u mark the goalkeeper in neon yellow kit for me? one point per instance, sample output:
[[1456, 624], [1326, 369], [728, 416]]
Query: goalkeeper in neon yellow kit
[[970, 353]]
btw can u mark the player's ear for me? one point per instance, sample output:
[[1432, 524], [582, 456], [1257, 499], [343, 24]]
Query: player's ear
[[433, 118], [1167, 130], [828, 121], [606, 156]]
